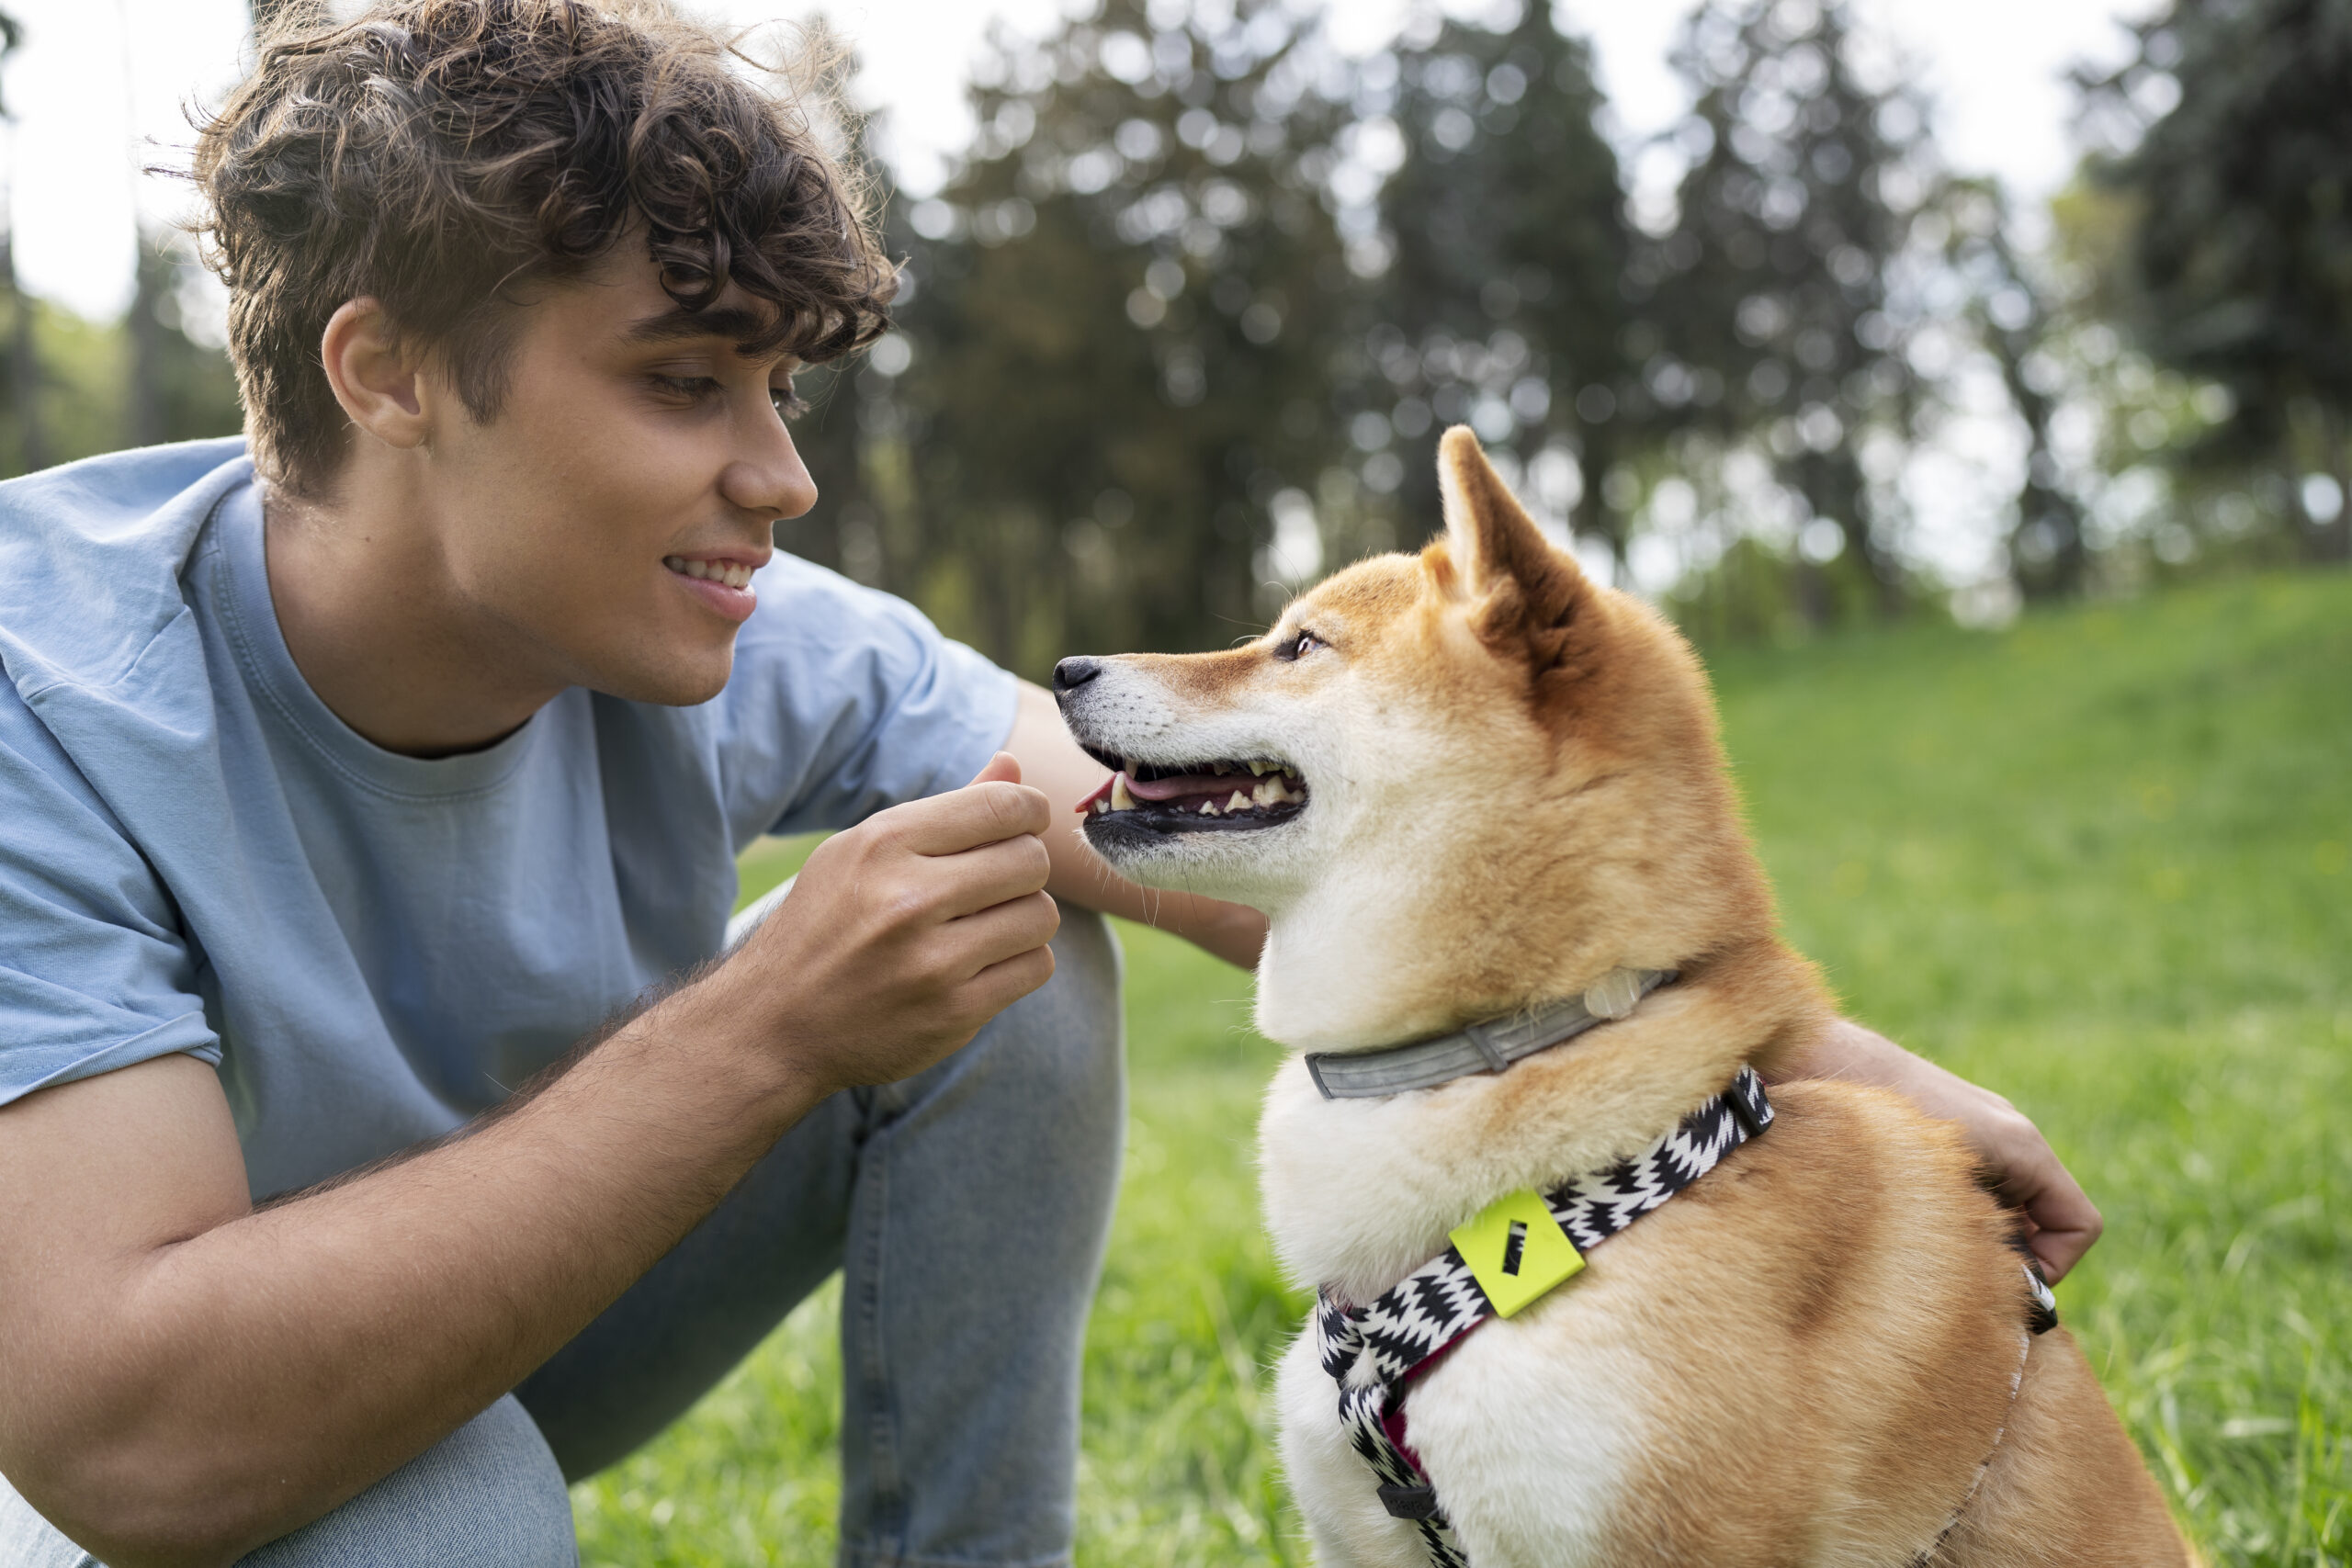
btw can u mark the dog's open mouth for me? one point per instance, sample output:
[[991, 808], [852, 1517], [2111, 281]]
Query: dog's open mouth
[[1191, 797]]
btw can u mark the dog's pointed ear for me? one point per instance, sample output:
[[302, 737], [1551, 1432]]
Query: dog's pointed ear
[[1529, 590]]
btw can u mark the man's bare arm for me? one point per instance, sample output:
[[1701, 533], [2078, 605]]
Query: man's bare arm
[[1052, 761], [183, 1377]]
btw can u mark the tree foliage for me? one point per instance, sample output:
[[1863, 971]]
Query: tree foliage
[[1776, 283], [2239, 265], [1505, 304], [1124, 316]]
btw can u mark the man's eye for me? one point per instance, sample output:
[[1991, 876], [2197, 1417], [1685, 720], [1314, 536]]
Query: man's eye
[[788, 404], [690, 388]]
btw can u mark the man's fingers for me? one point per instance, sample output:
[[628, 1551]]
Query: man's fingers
[[2066, 1222], [976, 879], [979, 942], [982, 812], [1002, 767], [1001, 984]]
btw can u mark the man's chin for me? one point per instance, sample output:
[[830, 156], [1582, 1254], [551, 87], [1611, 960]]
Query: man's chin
[[686, 682]]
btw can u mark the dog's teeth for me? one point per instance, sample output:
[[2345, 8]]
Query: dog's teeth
[[1208, 808], [1257, 768], [1119, 799], [1101, 807], [1240, 802], [1266, 793]]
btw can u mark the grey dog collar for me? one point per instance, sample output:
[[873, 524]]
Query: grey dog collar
[[1487, 1047]]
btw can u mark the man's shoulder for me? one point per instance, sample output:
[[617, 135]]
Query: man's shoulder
[[91, 555]]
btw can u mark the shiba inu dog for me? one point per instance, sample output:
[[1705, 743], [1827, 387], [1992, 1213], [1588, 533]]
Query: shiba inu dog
[[1475, 792]]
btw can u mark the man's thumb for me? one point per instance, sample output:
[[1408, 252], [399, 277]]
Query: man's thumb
[[1003, 768]]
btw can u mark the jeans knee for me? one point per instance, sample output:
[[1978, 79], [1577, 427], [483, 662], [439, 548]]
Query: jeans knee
[[488, 1496], [1089, 966]]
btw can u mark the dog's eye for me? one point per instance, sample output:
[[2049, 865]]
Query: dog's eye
[[1299, 647]]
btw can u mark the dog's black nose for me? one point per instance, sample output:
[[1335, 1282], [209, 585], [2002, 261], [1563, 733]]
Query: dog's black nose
[[1072, 673]]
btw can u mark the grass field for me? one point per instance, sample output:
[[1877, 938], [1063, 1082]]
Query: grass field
[[2098, 862]]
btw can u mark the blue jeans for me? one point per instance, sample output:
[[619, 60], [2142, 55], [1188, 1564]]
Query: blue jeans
[[966, 1208]]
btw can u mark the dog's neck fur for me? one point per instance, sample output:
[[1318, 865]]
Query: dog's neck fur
[[1361, 1192]]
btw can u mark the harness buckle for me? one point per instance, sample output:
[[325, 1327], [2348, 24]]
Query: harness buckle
[[1410, 1502]]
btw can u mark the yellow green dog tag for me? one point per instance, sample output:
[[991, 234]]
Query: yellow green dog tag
[[1516, 1250]]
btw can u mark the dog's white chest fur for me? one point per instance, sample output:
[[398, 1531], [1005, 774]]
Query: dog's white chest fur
[[1526, 1429]]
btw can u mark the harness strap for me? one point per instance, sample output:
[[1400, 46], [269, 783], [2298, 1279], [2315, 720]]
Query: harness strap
[[1375, 1352]]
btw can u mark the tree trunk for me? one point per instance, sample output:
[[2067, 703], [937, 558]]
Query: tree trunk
[[145, 394]]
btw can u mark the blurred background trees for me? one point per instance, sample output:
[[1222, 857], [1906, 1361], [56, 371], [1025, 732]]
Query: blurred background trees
[[1179, 329], [2234, 267]]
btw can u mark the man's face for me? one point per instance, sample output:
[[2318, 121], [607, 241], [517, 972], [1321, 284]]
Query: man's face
[[605, 519]]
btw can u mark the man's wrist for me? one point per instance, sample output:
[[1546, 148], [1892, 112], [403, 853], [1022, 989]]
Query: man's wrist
[[738, 1053]]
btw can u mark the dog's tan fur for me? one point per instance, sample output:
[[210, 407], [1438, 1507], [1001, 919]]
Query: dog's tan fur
[[1807, 1357]]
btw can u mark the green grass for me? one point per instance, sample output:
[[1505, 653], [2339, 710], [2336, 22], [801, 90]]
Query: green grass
[[2098, 862]]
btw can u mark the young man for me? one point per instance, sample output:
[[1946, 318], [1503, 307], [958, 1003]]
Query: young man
[[350, 775]]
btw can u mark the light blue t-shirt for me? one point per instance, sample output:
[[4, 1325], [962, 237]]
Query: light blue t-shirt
[[198, 856]]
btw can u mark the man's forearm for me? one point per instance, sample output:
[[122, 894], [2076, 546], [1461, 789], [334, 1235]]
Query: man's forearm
[[278, 1363]]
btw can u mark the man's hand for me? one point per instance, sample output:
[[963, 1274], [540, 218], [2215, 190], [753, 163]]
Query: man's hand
[[2060, 1221], [902, 935]]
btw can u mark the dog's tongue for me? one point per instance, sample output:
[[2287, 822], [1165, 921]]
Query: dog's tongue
[[1182, 785]]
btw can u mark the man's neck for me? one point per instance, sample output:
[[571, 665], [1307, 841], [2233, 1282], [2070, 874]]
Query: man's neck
[[373, 623]]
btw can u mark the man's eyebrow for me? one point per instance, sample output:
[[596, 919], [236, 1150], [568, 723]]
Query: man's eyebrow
[[733, 322]]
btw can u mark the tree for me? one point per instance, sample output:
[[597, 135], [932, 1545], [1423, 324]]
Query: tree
[[24, 378], [178, 389], [2237, 269], [1505, 302], [1125, 305], [2009, 308], [1778, 274]]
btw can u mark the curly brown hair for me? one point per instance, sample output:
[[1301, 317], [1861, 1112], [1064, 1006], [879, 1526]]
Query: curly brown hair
[[435, 154]]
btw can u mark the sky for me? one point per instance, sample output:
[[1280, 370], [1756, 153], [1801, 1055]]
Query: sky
[[99, 90]]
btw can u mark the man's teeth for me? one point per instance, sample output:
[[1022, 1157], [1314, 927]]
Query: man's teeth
[[726, 574]]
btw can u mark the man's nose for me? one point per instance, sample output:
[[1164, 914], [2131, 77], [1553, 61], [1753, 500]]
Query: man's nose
[[1072, 673], [768, 476]]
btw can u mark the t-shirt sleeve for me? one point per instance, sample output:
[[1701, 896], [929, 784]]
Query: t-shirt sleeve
[[845, 700], [94, 971]]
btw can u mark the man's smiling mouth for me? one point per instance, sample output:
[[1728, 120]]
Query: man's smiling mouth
[[726, 574]]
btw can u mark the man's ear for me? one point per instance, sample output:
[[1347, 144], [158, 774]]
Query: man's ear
[[374, 375], [1527, 590]]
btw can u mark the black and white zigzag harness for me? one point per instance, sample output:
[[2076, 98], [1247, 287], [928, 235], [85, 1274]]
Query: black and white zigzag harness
[[1376, 1352]]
